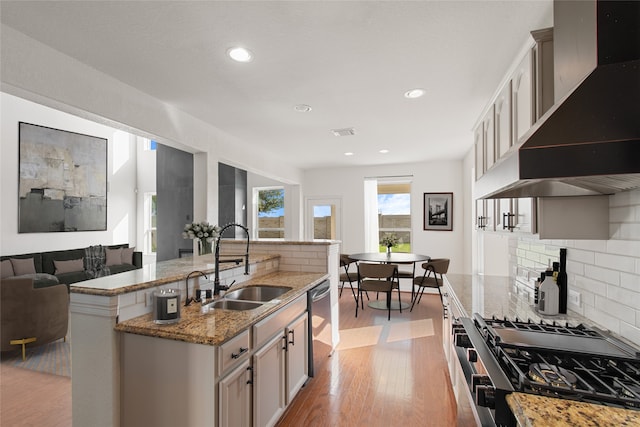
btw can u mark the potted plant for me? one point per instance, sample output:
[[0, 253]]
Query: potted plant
[[390, 240]]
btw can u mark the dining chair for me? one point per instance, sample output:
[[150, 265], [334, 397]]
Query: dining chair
[[377, 278], [429, 279], [347, 276]]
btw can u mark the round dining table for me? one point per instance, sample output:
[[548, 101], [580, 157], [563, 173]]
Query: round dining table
[[389, 258]]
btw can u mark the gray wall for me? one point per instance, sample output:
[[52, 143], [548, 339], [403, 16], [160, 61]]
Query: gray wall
[[174, 189], [232, 195]]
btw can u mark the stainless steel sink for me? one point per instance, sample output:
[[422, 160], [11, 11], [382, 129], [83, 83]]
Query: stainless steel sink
[[226, 304], [260, 293]]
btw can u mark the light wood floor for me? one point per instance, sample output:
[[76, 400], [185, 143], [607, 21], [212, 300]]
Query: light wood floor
[[29, 398], [384, 373], [398, 377]]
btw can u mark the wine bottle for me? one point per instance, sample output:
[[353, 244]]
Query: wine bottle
[[562, 281]]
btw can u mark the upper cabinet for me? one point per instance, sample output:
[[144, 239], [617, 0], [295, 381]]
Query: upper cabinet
[[504, 129], [525, 95]]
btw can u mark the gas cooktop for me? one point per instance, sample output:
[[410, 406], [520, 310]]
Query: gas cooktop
[[574, 362]]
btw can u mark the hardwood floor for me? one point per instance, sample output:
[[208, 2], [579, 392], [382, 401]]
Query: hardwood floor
[[29, 398], [402, 379], [384, 373]]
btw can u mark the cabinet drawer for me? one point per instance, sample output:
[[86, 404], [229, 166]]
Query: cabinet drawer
[[234, 351], [266, 328]]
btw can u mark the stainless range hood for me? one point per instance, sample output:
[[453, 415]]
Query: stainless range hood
[[588, 143]]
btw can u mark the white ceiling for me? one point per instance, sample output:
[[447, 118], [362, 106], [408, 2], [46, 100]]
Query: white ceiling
[[351, 61]]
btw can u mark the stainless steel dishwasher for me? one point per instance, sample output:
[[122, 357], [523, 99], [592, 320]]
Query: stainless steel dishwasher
[[319, 306]]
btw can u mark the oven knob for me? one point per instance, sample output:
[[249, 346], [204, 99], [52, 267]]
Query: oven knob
[[462, 340], [472, 355], [486, 396], [479, 379]]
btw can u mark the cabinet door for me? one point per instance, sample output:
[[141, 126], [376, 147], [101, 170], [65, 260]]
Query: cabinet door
[[269, 382], [525, 214], [489, 140], [479, 148], [480, 214], [522, 98], [504, 214], [503, 121], [490, 215], [297, 355], [235, 397]]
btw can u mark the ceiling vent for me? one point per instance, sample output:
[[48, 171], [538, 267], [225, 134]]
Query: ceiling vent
[[344, 132]]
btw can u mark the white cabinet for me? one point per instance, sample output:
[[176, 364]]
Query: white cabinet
[[485, 215], [504, 136], [522, 97], [280, 363], [478, 144], [269, 385], [297, 356], [488, 136], [517, 215], [235, 397]]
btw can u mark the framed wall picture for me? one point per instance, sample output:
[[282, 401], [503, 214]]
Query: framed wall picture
[[62, 180], [438, 211]]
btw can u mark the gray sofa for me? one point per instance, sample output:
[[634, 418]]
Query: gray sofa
[[45, 265]]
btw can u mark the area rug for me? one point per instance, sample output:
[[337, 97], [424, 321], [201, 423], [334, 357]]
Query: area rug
[[53, 358]]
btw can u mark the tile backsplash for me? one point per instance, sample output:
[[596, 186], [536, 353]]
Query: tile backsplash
[[606, 273]]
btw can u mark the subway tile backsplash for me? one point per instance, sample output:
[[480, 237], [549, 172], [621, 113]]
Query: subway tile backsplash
[[606, 273]]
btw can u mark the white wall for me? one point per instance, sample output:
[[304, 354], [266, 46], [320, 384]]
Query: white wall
[[437, 176], [121, 176]]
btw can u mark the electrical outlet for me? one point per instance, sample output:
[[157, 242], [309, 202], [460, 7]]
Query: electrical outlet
[[574, 298], [148, 299]]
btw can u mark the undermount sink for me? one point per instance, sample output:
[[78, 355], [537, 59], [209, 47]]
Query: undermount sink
[[260, 293], [226, 304]]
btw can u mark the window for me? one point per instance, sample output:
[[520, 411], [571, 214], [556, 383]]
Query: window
[[394, 212], [150, 223], [270, 212]]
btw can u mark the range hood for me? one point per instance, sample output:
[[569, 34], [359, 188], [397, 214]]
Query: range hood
[[588, 142]]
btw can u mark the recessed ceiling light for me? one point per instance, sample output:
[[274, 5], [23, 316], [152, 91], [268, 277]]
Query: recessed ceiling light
[[302, 108], [384, 151], [414, 93], [240, 54], [348, 153]]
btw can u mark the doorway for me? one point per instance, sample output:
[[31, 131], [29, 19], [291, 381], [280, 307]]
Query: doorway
[[323, 219]]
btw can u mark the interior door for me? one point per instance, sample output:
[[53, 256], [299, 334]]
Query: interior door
[[323, 219]]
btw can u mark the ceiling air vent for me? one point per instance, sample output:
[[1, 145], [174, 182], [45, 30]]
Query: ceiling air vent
[[344, 132]]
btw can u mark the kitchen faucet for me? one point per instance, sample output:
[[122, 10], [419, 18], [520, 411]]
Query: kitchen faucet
[[188, 300], [216, 282]]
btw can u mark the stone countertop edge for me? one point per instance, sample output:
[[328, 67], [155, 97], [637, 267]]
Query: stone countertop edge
[[532, 410], [218, 326], [157, 274]]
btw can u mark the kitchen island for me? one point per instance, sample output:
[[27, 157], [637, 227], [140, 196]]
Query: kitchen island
[[219, 367], [98, 305], [503, 297]]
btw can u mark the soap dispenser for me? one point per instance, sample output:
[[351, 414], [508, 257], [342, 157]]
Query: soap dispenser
[[549, 297]]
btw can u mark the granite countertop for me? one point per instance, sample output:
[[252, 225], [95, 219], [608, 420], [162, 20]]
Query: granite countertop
[[218, 326], [156, 274], [501, 296], [538, 411]]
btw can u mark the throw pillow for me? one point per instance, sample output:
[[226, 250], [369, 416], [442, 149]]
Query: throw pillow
[[70, 266], [127, 255], [23, 266], [6, 269], [114, 256]]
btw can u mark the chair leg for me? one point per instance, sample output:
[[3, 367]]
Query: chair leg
[[358, 301], [399, 300], [389, 304], [353, 292]]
